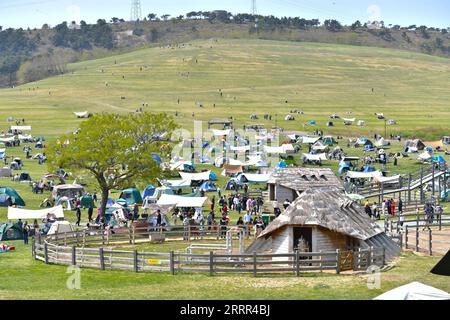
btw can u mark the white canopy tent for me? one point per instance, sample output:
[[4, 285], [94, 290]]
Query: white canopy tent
[[364, 175], [256, 178], [182, 202], [387, 180], [414, 291], [202, 176], [16, 213], [21, 128], [310, 140], [5, 140], [349, 119], [84, 114], [220, 133], [256, 161], [177, 184], [315, 157]]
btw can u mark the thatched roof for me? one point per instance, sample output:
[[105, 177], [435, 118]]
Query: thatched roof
[[329, 208], [304, 178]]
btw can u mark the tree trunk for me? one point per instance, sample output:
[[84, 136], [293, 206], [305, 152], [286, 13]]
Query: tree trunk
[[105, 194]]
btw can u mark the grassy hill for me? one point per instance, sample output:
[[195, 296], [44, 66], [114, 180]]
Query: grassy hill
[[256, 77]]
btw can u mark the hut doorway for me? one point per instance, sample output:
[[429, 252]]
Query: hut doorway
[[303, 239]]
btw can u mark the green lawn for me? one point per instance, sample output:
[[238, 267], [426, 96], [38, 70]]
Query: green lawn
[[23, 278], [256, 77]]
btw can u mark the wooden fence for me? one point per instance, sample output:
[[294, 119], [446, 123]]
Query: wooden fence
[[210, 263], [415, 231]]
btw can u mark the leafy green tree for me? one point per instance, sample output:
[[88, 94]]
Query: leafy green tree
[[115, 149], [356, 25]]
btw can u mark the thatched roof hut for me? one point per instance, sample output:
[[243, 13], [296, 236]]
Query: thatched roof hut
[[325, 219], [289, 183]]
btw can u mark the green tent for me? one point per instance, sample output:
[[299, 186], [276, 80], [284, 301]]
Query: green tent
[[87, 202], [131, 196], [17, 200], [10, 232]]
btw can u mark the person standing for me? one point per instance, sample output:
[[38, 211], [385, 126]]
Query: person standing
[[94, 197], [78, 206], [389, 206], [25, 232], [158, 218], [400, 206], [135, 212], [393, 208], [90, 213]]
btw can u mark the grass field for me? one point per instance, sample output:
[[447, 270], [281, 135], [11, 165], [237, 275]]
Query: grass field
[[26, 279], [256, 77]]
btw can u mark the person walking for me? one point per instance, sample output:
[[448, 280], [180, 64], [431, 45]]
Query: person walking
[[158, 218], [135, 212]]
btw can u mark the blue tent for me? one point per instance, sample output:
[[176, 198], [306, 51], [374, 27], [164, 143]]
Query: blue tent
[[343, 167], [369, 169], [157, 158], [312, 122], [282, 164], [109, 203], [205, 144], [208, 186], [369, 147], [148, 191], [439, 159], [212, 176], [131, 196], [2, 155], [429, 148]]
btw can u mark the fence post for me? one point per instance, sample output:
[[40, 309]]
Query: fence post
[[189, 233], [384, 256], [421, 185], [417, 238], [129, 235], [369, 257], [211, 263], [406, 237], [172, 263], [33, 247], [430, 248], [254, 264], [136, 261], [134, 234], [45, 252], [74, 256], [102, 258], [432, 181], [338, 261], [297, 263]]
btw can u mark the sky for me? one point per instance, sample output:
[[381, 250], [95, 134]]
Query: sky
[[34, 13]]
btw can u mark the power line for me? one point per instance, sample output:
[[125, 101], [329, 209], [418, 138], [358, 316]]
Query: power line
[[136, 11]]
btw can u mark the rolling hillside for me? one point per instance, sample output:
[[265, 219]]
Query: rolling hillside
[[255, 77]]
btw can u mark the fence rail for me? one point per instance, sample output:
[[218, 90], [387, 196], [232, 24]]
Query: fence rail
[[211, 263]]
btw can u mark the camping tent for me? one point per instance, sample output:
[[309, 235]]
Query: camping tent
[[87, 202], [361, 123], [67, 190], [60, 227], [208, 186], [229, 169], [149, 191], [439, 159], [309, 140], [443, 266], [424, 156], [16, 213], [5, 172], [13, 195], [314, 157], [328, 141], [414, 291], [25, 177], [131, 196], [9, 232]]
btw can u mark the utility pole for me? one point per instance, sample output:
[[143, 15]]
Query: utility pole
[[136, 11], [254, 14]]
